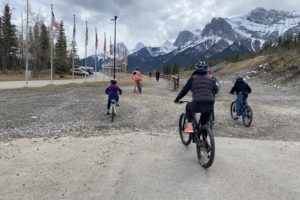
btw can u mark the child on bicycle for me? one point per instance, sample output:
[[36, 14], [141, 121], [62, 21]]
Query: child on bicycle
[[137, 77], [113, 92], [242, 89], [203, 89]]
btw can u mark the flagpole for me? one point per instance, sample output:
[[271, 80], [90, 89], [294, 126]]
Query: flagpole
[[86, 42], [26, 71], [73, 62], [95, 52], [51, 49]]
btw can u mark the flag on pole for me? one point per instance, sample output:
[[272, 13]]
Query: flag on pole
[[110, 46], [74, 31], [96, 43], [54, 23], [118, 52], [104, 47], [86, 35]]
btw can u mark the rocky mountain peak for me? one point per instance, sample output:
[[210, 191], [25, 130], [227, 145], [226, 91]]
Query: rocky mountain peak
[[183, 38], [220, 27], [268, 17]]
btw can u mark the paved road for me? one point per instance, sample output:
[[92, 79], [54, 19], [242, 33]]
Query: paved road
[[41, 83], [144, 166]]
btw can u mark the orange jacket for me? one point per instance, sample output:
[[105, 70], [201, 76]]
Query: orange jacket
[[137, 76]]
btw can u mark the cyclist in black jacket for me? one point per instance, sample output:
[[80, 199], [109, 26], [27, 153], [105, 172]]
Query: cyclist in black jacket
[[203, 89], [242, 89]]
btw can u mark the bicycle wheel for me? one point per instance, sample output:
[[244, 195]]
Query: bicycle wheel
[[186, 138], [112, 113], [233, 111], [247, 116], [205, 147]]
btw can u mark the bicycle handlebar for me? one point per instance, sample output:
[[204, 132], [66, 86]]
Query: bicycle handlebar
[[181, 102]]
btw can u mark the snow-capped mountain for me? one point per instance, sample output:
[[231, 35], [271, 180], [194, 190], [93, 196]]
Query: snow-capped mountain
[[224, 37], [121, 49], [138, 47], [185, 38]]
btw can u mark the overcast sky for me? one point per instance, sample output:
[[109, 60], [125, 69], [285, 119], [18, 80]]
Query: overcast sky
[[149, 21]]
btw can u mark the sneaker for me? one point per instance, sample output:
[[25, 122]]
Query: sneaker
[[189, 128], [107, 113]]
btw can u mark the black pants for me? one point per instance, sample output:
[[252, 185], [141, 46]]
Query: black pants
[[110, 98], [206, 109]]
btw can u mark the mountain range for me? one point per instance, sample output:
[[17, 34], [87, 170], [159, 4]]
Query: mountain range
[[221, 38]]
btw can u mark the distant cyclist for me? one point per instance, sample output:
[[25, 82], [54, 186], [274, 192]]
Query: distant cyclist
[[137, 77], [242, 89], [157, 75], [113, 92], [203, 89]]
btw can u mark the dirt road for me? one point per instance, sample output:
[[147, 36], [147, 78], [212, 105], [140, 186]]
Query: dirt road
[[59, 144], [143, 166]]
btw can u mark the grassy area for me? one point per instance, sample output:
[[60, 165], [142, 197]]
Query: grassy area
[[19, 76], [245, 64]]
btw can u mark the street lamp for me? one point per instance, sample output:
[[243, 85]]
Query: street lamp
[[115, 19]]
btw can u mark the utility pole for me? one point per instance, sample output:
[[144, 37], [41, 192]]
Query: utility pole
[[51, 45], [115, 19], [73, 46]]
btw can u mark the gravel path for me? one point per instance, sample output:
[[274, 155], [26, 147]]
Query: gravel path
[[80, 111]]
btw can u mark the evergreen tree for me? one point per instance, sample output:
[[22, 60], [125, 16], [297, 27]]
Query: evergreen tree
[[61, 54], [74, 52], [176, 68], [36, 50], [44, 41], [9, 41], [168, 69]]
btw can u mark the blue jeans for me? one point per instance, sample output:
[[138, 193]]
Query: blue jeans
[[239, 104], [110, 98]]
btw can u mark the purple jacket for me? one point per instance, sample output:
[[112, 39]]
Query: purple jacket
[[113, 89]]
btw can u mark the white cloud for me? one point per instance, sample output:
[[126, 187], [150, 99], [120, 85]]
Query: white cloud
[[149, 21]]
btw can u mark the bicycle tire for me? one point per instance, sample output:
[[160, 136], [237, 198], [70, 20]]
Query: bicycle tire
[[112, 113], [233, 110], [182, 120], [249, 115], [202, 149]]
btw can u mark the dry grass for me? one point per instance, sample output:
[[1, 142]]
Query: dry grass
[[19, 76], [245, 64]]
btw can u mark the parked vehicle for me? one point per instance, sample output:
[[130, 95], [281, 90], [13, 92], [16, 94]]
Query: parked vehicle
[[80, 72], [90, 70]]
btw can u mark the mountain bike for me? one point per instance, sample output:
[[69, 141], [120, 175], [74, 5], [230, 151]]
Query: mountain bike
[[113, 109], [247, 113], [203, 138]]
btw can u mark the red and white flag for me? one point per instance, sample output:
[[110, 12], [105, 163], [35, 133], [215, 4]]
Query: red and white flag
[[104, 47], [54, 23]]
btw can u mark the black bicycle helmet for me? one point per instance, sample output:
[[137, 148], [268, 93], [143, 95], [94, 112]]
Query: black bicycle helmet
[[113, 82], [201, 66]]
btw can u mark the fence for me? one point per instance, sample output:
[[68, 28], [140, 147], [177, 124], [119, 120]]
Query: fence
[[173, 78]]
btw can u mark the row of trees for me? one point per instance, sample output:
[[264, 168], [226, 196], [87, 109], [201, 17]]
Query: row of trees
[[170, 69], [12, 46]]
